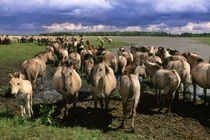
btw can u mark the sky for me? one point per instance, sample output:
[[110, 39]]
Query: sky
[[38, 16]]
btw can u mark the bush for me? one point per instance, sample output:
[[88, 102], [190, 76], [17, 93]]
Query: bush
[[46, 115]]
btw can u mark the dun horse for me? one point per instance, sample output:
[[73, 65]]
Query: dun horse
[[168, 80], [200, 71], [23, 90], [129, 90], [67, 82], [103, 82], [37, 66]]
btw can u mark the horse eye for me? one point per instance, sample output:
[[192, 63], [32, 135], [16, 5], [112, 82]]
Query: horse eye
[[18, 84], [100, 69], [70, 73]]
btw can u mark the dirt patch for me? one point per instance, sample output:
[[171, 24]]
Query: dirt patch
[[5, 69]]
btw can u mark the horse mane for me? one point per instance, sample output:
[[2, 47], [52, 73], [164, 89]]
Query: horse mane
[[129, 69], [88, 56], [43, 52]]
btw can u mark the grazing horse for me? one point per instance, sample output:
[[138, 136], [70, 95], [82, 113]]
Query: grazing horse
[[168, 80], [103, 82], [67, 82], [200, 71], [129, 90], [37, 66], [23, 90]]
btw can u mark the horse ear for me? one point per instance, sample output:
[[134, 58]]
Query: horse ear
[[106, 69], [10, 76], [18, 75]]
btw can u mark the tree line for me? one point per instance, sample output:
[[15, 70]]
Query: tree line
[[125, 33]]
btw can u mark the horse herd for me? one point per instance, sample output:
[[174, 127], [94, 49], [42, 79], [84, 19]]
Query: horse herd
[[165, 69]]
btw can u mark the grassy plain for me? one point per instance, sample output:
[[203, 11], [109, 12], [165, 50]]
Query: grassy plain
[[204, 40]]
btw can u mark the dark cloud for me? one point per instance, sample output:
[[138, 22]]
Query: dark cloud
[[21, 17]]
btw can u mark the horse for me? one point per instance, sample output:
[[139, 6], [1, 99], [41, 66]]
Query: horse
[[103, 82], [183, 69], [37, 66], [75, 57], [200, 71], [23, 90], [122, 62], [88, 64], [168, 80], [129, 90], [67, 82]]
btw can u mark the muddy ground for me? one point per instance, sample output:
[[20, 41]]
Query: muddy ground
[[187, 119]]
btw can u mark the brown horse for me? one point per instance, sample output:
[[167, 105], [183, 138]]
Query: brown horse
[[67, 82], [200, 71], [37, 66]]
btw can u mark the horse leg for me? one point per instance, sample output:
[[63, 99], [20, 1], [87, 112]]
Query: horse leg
[[171, 98], [205, 91], [31, 109], [95, 101], [106, 102], [42, 81], [21, 110], [194, 91], [134, 114], [124, 117], [157, 97], [27, 106], [75, 100], [102, 103], [65, 112], [160, 98], [184, 91]]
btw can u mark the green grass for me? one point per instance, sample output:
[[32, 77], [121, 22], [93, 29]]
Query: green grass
[[14, 127], [204, 40], [95, 42], [18, 52]]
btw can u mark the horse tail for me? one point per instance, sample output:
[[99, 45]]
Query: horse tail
[[130, 99], [208, 76], [28, 74], [178, 78]]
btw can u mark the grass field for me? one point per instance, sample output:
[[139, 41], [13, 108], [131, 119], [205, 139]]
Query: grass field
[[204, 40]]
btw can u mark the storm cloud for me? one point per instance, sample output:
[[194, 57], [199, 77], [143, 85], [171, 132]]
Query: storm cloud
[[37, 16]]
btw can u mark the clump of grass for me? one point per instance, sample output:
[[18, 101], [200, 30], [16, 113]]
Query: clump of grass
[[3, 90]]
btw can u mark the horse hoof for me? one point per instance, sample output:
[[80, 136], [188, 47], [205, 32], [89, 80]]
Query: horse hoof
[[132, 130]]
